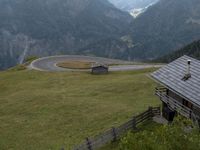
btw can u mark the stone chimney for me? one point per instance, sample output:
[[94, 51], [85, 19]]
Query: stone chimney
[[188, 72]]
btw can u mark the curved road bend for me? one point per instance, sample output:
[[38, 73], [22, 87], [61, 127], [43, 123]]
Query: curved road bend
[[49, 63]]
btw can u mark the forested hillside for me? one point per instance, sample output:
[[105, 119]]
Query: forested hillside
[[192, 50], [53, 27], [94, 27], [165, 27]]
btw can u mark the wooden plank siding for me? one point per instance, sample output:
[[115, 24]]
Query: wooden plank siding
[[174, 102]]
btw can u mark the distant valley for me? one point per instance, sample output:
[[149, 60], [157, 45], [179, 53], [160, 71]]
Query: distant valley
[[96, 28], [134, 7], [55, 27]]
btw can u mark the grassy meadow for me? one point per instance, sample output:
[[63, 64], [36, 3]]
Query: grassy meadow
[[48, 111]]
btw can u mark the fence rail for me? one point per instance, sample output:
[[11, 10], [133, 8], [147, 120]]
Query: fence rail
[[116, 133]]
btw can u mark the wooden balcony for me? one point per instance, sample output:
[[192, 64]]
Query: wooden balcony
[[173, 104]]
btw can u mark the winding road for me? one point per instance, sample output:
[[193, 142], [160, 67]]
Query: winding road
[[49, 63]]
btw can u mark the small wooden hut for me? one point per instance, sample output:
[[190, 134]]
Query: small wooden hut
[[179, 88], [99, 69]]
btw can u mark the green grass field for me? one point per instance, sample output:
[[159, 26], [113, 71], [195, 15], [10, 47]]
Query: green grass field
[[47, 111]]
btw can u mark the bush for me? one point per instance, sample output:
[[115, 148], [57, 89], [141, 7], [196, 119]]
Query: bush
[[18, 68], [29, 59], [181, 134]]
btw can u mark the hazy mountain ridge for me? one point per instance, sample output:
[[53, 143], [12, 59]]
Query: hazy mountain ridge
[[165, 27], [94, 27], [128, 5], [134, 7], [52, 27]]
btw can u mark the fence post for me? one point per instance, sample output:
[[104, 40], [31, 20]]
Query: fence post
[[151, 112], [114, 134], [134, 123], [159, 108], [88, 143]]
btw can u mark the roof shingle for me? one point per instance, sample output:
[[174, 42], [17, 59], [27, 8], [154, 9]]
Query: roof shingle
[[172, 74]]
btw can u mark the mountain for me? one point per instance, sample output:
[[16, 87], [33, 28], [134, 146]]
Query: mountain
[[50, 27], [164, 27], [192, 50], [134, 7]]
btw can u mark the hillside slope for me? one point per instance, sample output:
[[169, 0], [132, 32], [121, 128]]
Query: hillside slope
[[192, 50], [48, 111], [50, 27], [164, 27]]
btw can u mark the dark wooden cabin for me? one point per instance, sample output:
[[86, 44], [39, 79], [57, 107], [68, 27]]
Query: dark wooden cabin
[[99, 69], [179, 88]]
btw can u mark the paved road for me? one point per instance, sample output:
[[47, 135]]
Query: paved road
[[49, 63]]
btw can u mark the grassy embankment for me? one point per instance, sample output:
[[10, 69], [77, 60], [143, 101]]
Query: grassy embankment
[[41, 110]]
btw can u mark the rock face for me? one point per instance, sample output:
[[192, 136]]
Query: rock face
[[165, 27], [50, 27]]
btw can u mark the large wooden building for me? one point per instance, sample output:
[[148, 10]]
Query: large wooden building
[[179, 88]]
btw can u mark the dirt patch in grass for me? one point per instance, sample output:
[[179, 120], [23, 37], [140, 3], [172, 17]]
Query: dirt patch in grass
[[75, 64]]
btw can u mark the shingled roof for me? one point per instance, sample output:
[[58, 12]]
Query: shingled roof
[[172, 74]]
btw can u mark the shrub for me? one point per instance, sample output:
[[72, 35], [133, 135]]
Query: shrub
[[29, 59], [181, 134], [18, 68]]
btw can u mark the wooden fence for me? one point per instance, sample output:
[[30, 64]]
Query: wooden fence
[[116, 133]]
